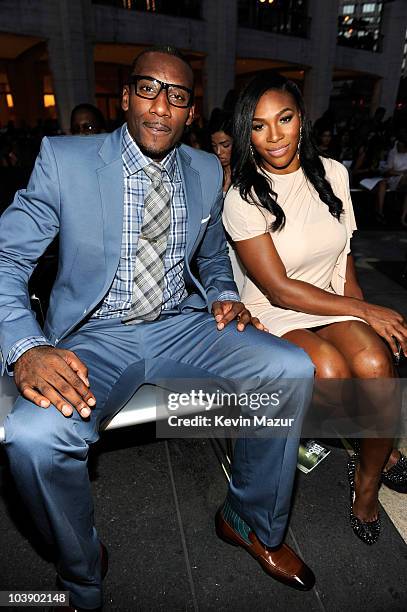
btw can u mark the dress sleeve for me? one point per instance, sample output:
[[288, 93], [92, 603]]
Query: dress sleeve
[[341, 188], [243, 220]]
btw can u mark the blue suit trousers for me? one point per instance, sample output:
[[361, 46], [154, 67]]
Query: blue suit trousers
[[48, 452]]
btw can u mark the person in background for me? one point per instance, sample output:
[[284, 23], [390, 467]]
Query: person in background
[[367, 159], [327, 121], [290, 215], [194, 136], [345, 150], [325, 142], [220, 131], [87, 120], [395, 177]]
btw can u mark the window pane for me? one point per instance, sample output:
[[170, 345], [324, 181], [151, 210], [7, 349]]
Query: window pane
[[348, 9], [369, 8]]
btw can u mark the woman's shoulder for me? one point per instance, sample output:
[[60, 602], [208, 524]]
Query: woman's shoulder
[[232, 194], [247, 213], [337, 174], [233, 199], [333, 167]]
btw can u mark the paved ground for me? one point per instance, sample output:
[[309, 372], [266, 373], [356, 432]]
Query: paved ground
[[155, 502]]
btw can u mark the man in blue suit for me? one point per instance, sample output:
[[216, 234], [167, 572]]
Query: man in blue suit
[[144, 291]]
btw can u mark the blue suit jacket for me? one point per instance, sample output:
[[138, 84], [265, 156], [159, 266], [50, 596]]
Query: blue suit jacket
[[76, 190]]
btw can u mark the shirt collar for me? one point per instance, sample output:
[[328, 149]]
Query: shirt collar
[[134, 160]]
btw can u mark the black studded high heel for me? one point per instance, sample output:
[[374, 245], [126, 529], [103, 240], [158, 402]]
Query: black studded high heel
[[396, 477], [367, 532]]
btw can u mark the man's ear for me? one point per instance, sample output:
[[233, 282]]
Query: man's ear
[[125, 98], [191, 115]]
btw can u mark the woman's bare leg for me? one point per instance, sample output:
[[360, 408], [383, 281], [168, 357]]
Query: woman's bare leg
[[368, 358], [329, 365]]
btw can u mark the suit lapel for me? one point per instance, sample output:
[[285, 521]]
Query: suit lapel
[[111, 185], [193, 197]]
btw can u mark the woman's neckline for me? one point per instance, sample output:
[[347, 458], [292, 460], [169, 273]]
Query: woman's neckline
[[274, 174]]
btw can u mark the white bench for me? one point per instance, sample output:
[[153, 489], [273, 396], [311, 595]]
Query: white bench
[[141, 408]]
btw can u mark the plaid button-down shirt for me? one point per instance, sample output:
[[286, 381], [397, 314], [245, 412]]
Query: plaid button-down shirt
[[136, 186], [136, 183]]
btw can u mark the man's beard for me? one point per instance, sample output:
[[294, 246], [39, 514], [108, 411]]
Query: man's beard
[[154, 154]]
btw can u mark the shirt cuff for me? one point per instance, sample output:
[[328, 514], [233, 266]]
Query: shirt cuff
[[228, 296], [21, 346]]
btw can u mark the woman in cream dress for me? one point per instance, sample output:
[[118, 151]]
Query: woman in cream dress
[[313, 246], [289, 215]]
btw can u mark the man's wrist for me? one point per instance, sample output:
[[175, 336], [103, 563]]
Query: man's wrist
[[22, 346], [228, 296]]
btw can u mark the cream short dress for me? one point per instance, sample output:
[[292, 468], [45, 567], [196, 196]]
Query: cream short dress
[[313, 245]]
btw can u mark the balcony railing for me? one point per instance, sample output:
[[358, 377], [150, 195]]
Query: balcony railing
[[180, 8], [289, 17]]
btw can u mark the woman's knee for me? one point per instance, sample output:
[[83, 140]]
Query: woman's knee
[[372, 362], [330, 363], [327, 360]]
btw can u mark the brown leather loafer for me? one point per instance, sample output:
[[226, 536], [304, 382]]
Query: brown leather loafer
[[281, 562]]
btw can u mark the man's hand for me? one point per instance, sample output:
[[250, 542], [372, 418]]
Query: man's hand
[[46, 375], [227, 311]]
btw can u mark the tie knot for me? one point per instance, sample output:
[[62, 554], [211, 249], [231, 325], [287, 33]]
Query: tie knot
[[154, 172]]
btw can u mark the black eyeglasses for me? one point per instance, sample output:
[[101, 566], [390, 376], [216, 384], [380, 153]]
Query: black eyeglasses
[[149, 88]]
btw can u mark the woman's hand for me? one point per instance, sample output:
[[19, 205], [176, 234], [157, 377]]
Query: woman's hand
[[388, 323]]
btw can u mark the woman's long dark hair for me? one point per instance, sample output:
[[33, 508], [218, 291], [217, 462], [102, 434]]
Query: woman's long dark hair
[[253, 185]]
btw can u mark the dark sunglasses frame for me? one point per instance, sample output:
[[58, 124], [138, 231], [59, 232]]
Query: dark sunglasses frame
[[133, 80]]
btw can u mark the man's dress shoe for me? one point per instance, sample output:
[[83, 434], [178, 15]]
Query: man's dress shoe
[[104, 561], [281, 562]]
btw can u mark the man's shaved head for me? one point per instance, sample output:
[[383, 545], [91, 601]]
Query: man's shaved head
[[166, 50]]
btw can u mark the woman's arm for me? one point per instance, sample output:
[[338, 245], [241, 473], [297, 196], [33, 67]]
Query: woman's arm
[[263, 264], [391, 172], [262, 261], [352, 287]]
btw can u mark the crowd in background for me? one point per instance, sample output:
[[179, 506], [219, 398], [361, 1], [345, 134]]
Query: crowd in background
[[374, 149]]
